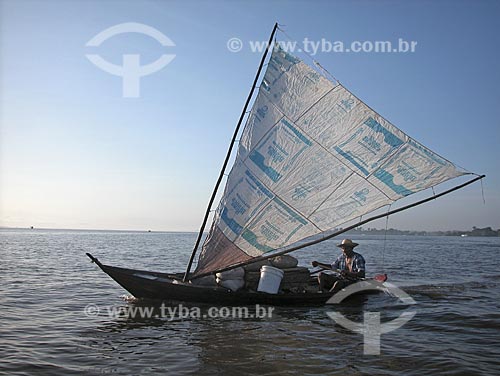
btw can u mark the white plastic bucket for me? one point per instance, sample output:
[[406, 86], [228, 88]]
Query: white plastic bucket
[[270, 279]]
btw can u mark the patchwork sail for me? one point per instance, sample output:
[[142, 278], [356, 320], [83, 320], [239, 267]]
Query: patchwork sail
[[312, 156]]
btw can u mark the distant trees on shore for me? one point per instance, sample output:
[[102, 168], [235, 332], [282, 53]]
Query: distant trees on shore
[[476, 231]]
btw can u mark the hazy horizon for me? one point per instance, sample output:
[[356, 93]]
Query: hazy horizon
[[367, 228]]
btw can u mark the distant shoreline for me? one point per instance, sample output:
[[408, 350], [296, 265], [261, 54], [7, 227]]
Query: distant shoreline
[[482, 232], [94, 230]]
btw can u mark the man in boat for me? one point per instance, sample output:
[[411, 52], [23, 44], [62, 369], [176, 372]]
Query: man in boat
[[349, 265]]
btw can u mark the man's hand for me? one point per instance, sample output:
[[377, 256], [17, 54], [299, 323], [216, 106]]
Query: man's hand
[[345, 273]]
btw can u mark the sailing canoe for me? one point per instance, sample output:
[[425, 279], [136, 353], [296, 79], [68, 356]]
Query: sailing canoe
[[311, 158], [169, 287]]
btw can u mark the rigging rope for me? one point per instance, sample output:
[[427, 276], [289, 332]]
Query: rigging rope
[[324, 71], [385, 236], [482, 192]]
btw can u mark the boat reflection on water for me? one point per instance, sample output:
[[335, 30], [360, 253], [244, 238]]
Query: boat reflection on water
[[300, 338]]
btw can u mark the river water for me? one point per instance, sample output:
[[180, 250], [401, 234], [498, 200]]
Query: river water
[[47, 285]]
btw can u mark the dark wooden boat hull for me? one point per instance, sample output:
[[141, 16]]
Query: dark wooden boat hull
[[167, 287]]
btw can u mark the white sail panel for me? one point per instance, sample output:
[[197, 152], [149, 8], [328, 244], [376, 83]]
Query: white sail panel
[[263, 117], [312, 157], [292, 85], [369, 143], [411, 169], [329, 119], [354, 198], [276, 226], [244, 197], [276, 154], [315, 176]]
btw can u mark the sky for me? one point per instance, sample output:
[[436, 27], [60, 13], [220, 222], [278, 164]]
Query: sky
[[75, 153]]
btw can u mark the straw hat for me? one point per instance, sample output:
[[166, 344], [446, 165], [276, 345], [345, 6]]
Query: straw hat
[[348, 243]]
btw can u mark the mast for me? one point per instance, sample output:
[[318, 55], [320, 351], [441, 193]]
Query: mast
[[313, 242], [228, 155]]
